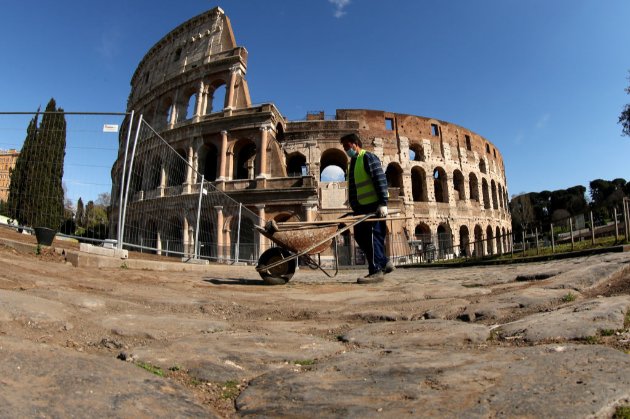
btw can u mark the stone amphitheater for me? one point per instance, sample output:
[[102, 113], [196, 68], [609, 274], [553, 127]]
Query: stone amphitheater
[[446, 183]]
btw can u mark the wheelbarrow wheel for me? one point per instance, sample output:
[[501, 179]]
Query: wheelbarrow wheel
[[278, 275]]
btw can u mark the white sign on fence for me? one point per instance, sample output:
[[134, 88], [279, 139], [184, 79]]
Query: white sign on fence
[[110, 128]]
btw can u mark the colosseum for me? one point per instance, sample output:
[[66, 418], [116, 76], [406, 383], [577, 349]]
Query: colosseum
[[446, 183]]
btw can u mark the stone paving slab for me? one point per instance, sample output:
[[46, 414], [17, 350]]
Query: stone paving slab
[[544, 381], [578, 321], [47, 382]]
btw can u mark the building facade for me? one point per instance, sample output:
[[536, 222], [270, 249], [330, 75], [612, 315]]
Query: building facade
[[7, 163], [447, 183]]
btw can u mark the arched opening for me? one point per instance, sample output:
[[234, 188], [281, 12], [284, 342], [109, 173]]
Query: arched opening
[[440, 185], [208, 161], [172, 238], [191, 107], [333, 165], [393, 173], [207, 238], [489, 241], [495, 202], [464, 242], [505, 240], [154, 173], [296, 165], [286, 216], [445, 240], [177, 169], [422, 233], [473, 187], [243, 238], [486, 194], [149, 237], [458, 185], [218, 99], [137, 176], [419, 185], [416, 152], [478, 241], [482, 166], [244, 160]]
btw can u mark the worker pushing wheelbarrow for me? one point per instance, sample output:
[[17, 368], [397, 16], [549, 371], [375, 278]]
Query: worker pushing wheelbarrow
[[305, 241], [367, 195]]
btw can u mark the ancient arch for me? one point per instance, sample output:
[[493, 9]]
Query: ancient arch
[[418, 152], [176, 170], [445, 240], [440, 185], [244, 159], [489, 240], [486, 193], [498, 239], [482, 166], [394, 177], [495, 201], [153, 173], [419, 184], [459, 186], [478, 241], [423, 232], [473, 186], [295, 162], [333, 157], [208, 158]]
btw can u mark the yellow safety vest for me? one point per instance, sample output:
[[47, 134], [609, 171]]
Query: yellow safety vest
[[366, 193]]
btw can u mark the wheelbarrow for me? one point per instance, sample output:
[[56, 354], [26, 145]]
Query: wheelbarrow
[[306, 240]]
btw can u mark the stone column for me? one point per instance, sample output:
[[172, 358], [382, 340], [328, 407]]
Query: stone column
[[162, 179], [219, 233], [262, 153], [189, 170], [262, 241], [185, 237], [199, 111], [310, 209], [223, 155], [158, 242], [235, 71]]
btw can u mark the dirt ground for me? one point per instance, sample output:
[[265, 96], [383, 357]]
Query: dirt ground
[[129, 315]]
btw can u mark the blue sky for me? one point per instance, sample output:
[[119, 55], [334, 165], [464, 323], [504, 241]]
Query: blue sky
[[541, 79]]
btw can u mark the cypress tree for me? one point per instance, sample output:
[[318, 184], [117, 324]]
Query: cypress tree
[[80, 217], [16, 202], [37, 196]]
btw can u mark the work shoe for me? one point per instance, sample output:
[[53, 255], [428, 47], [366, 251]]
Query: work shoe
[[374, 278], [389, 267]]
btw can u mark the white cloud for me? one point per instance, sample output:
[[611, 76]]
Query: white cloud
[[333, 174], [340, 5], [110, 44]]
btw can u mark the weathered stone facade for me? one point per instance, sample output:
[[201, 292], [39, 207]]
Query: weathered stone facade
[[444, 179], [7, 163]]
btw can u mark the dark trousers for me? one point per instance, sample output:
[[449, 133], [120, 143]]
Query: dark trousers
[[370, 236]]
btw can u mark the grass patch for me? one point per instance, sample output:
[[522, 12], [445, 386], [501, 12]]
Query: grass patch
[[124, 266], [591, 340], [626, 321], [230, 389], [568, 297], [622, 412], [607, 332], [305, 362], [151, 368]]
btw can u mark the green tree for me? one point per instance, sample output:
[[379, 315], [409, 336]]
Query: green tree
[[80, 216], [17, 201], [37, 198], [624, 118]]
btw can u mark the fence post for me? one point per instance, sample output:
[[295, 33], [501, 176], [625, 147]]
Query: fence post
[[571, 228], [553, 243], [537, 248], [512, 245], [616, 225], [592, 230], [201, 191], [133, 154], [122, 190], [523, 242]]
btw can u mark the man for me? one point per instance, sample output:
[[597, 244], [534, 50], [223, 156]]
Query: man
[[367, 188]]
